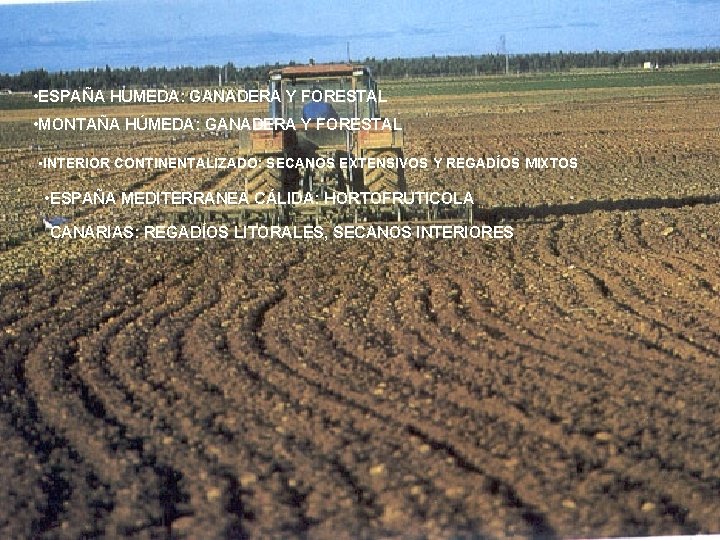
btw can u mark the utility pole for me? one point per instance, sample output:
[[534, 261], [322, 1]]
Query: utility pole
[[502, 49]]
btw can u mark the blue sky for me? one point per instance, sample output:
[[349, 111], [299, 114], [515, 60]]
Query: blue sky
[[70, 35]]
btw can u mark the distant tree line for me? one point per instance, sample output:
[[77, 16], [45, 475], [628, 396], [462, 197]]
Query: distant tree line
[[536, 62], [389, 68]]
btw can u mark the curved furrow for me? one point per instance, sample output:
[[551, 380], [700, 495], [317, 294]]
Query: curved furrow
[[650, 364], [271, 439], [131, 359], [428, 331], [707, 276], [327, 354], [423, 331], [118, 460], [688, 304], [192, 431], [635, 257], [273, 344], [510, 410], [574, 274], [331, 452], [89, 407], [70, 481], [619, 374], [61, 485], [531, 324], [392, 513], [606, 321], [593, 373], [611, 284]]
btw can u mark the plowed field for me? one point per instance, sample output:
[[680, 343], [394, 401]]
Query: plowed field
[[563, 383]]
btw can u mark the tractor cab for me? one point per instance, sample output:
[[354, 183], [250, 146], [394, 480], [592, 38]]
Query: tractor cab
[[346, 90]]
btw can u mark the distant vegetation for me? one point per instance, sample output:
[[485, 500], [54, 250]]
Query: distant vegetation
[[461, 85], [387, 68]]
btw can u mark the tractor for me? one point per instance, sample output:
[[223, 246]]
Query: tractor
[[311, 143], [319, 157]]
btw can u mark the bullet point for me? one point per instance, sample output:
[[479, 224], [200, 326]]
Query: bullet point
[[35, 124], [47, 197]]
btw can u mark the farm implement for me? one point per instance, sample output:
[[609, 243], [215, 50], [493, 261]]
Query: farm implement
[[340, 161]]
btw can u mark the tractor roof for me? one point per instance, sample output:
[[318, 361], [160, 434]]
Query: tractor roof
[[317, 70]]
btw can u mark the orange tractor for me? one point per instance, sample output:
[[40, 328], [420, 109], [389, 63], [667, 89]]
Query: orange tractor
[[320, 154], [323, 142]]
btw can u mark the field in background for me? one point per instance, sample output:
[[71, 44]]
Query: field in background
[[407, 98], [562, 383], [683, 75], [573, 80]]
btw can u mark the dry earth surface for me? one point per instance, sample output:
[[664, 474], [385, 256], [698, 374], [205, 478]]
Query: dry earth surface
[[563, 383]]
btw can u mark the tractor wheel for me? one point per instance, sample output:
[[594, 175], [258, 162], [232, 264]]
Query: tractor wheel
[[384, 178], [264, 178]]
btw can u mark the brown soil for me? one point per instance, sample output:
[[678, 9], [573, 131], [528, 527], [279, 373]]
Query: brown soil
[[562, 383]]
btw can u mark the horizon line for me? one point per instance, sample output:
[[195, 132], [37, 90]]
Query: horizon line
[[367, 58]]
